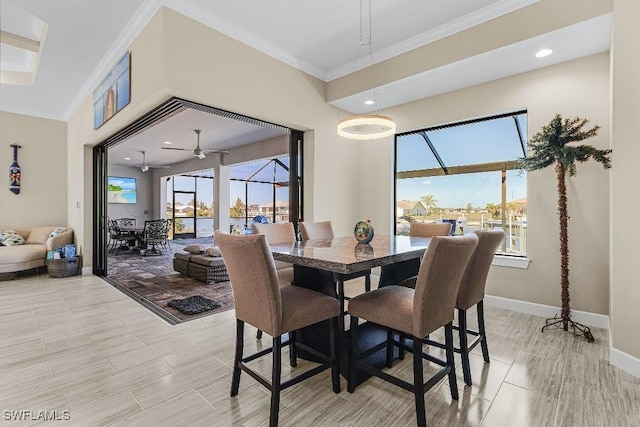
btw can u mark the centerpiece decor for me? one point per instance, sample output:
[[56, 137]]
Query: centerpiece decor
[[363, 231], [549, 147]]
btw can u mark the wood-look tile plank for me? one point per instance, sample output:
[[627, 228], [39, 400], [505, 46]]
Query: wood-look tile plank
[[520, 407], [174, 383], [536, 373], [585, 406], [186, 409]]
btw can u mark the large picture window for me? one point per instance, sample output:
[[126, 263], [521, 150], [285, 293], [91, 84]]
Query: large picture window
[[464, 173]]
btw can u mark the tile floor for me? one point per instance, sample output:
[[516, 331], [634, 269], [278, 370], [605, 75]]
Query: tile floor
[[79, 345]]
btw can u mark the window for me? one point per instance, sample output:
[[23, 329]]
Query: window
[[190, 205], [464, 173], [260, 188]]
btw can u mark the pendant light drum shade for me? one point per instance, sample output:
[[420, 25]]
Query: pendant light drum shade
[[366, 126]]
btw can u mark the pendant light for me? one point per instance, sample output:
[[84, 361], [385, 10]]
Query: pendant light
[[366, 126]]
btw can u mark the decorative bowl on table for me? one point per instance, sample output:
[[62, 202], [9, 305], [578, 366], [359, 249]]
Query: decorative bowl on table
[[363, 231]]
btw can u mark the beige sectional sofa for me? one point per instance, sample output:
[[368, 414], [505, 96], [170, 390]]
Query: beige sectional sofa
[[33, 253]]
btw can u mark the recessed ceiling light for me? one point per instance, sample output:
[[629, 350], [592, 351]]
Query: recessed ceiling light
[[369, 102], [168, 142], [127, 158], [543, 52]]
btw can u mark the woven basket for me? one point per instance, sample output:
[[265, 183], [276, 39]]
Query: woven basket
[[63, 267]]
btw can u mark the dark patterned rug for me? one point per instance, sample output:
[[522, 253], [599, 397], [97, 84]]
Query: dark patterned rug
[[153, 281]]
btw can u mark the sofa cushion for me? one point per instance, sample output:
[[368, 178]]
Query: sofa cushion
[[23, 253], [39, 234], [183, 256], [56, 231], [213, 251], [194, 249], [207, 261], [11, 238]]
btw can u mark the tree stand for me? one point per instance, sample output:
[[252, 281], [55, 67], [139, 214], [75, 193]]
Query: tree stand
[[577, 328]]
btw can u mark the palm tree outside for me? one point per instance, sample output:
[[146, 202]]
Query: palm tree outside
[[429, 201], [549, 147]]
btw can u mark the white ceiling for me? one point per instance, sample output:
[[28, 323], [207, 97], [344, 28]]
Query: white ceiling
[[85, 38]]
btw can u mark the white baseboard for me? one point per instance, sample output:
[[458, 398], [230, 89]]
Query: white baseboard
[[589, 319], [624, 361], [87, 270]]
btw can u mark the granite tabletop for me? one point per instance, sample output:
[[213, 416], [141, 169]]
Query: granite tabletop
[[345, 255]]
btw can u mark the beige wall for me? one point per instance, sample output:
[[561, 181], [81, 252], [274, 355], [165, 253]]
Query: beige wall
[[576, 88], [216, 70], [625, 195], [43, 161]]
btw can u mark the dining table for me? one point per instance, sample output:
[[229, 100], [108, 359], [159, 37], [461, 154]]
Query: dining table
[[138, 232], [320, 264]]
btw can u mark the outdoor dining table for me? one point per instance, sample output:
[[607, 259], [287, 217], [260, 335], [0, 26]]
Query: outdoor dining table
[[137, 231], [319, 264]]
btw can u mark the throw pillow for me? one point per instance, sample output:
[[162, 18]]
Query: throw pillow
[[194, 249], [57, 231], [11, 238], [213, 251]]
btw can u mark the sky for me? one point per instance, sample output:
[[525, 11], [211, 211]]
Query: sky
[[494, 140]]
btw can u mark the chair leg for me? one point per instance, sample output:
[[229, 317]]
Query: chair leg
[[237, 361], [367, 283], [259, 334], [341, 300], [482, 332], [402, 337], [418, 383], [390, 348], [293, 356], [334, 354], [448, 340], [275, 381], [352, 353], [464, 346]]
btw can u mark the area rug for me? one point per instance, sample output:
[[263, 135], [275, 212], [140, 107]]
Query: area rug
[[195, 304], [153, 282]]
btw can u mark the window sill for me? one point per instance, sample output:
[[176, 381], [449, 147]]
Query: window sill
[[509, 261]]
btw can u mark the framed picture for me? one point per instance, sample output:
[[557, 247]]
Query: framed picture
[[121, 189], [113, 93]]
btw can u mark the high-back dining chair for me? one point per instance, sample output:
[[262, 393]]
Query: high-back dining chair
[[396, 273], [316, 230], [417, 313], [261, 302], [472, 293], [277, 233], [324, 230]]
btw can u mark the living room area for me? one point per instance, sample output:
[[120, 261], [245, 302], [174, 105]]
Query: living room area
[[155, 177]]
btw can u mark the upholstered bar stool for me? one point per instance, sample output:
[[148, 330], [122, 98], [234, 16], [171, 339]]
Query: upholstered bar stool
[[416, 313], [277, 233], [395, 273], [324, 230], [471, 293], [261, 301]]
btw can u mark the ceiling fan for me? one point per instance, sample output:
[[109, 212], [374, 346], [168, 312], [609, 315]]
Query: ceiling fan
[[145, 167], [197, 152]]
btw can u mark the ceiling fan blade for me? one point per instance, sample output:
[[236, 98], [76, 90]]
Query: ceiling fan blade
[[215, 151], [159, 167], [172, 148]]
